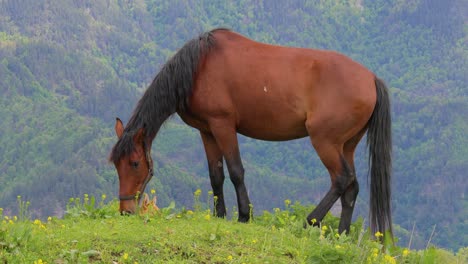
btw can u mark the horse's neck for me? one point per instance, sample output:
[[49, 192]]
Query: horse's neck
[[152, 117]]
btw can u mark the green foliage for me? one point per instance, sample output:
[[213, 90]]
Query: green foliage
[[15, 239], [89, 208]]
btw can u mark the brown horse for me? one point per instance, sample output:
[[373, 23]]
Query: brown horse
[[222, 83]]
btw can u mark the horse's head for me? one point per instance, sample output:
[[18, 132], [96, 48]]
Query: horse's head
[[134, 166]]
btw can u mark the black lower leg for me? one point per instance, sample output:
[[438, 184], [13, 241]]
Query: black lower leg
[[349, 188], [220, 207], [236, 172], [348, 200], [217, 181], [323, 207], [340, 184], [244, 204]]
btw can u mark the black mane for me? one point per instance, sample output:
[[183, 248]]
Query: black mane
[[168, 93]]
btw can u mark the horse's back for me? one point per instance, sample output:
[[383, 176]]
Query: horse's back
[[269, 91]]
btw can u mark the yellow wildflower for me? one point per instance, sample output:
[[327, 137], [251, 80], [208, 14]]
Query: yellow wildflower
[[389, 259], [49, 219], [37, 222], [378, 234], [324, 228], [11, 222], [210, 192], [207, 217], [287, 202], [313, 221], [405, 252], [190, 212], [229, 258], [15, 218], [375, 253], [125, 256], [103, 197], [6, 217], [254, 241], [197, 192]]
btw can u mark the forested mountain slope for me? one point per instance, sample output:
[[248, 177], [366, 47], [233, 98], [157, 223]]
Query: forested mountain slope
[[68, 68]]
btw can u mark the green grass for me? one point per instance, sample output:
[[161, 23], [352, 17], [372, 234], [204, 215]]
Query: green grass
[[94, 232]]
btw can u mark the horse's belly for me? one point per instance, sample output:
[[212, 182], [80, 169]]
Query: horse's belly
[[272, 129], [272, 136]]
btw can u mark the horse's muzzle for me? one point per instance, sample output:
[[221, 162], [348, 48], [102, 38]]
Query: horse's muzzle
[[127, 207]]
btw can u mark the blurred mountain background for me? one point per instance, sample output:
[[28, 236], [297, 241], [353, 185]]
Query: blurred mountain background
[[69, 67]]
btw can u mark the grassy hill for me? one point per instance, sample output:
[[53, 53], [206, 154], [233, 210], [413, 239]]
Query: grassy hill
[[92, 232]]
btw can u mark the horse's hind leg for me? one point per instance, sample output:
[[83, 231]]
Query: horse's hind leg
[[215, 168], [331, 155], [348, 199]]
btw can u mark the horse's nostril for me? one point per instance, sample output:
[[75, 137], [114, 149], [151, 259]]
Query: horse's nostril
[[126, 212]]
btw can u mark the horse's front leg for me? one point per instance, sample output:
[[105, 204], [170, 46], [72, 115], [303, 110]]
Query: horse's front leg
[[215, 168], [226, 138]]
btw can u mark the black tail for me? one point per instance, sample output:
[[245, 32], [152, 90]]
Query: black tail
[[379, 141]]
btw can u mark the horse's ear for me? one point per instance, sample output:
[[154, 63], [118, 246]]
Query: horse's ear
[[119, 127]]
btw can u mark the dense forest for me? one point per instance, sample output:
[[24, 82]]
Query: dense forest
[[69, 67]]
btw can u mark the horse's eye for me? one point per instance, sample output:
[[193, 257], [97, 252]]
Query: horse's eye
[[134, 164]]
